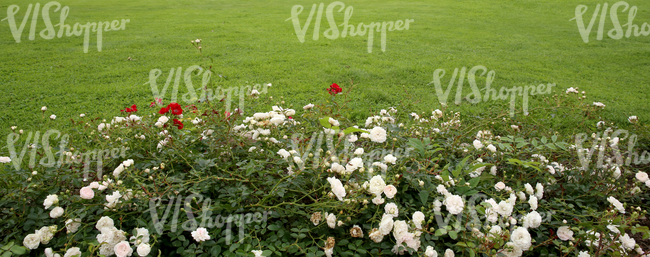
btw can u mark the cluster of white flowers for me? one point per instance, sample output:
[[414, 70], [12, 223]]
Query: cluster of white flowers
[[120, 168], [572, 90], [41, 236], [599, 104], [110, 237]]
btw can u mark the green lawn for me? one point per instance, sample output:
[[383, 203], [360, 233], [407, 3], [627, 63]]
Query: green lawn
[[525, 42]]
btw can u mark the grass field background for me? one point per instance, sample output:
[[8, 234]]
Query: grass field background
[[525, 42]]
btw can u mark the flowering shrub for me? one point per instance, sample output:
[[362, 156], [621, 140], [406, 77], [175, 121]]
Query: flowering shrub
[[400, 184]]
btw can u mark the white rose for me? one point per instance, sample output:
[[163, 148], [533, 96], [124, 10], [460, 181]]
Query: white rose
[[118, 170], [50, 200], [390, 191], [583, 254], [284, 153], [495, 230], [87, 192], [533, 202], [512, 250], [418, 218], [338, 168], [56, 212], [391, 209], [504, 208], [430, 252], [354, 164], [143, 249], [104, 222], [386, 224], [390, 159], [521, 238], [4, 159], [540, 191], [442, 190], [376, 236], [449, 253], [72, 225], [377, 185], [200, 234], [400, 228], [627, 241], [307, 107], [46, 234], [128, 162], [123, 249], [529, 189], [359, 151], [618, 205], [378, 200], [477, 144], [32, 241], [73, 251], [454, 204], [257, 253], [499, 186], [378, 135], [331, 220], [337, 187], [532, 220], [492, 148], [163, 119], [642, 176], [564, 233]]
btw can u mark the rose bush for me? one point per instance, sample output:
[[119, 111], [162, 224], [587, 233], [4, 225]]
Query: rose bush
[[422, 184]]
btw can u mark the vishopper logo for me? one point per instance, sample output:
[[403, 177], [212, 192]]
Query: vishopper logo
[[206, 94], [49, 32], [205, 216], [348, 29], [475, 95], [609, 143], [35, 140], [617, 31]]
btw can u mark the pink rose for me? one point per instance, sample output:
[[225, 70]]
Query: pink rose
[[390, 191], [123, 249], [87, 193]]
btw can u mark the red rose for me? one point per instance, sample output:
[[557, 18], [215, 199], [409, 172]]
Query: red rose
[[132, 109], [334, 89], [163, 110], [178, 123], [176, 108]]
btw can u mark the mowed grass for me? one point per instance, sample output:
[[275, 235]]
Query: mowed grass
[[526, 42]]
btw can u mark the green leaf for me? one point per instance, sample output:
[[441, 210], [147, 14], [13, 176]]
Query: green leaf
[[474, 182], [453, 234], [274, 227], [424, 197], [325, 122], [352, 130], [18, 250], [441, 231]]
